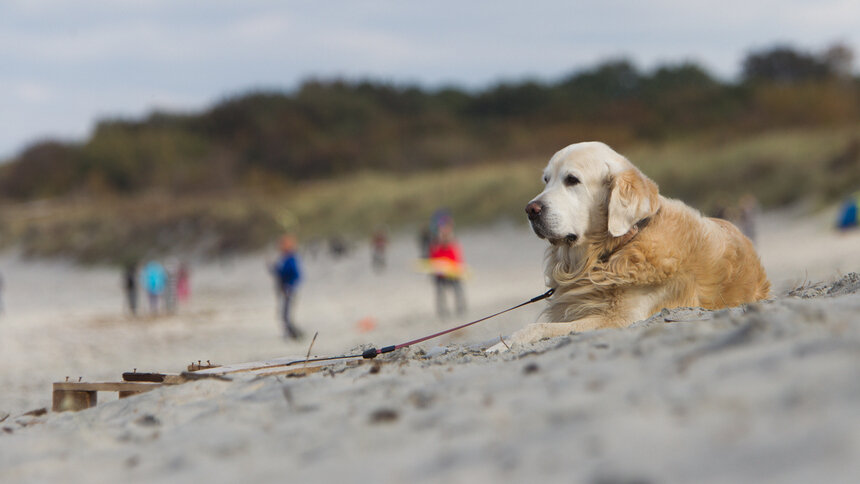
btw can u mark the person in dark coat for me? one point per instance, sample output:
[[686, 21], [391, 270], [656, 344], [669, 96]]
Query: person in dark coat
[[288, 276]]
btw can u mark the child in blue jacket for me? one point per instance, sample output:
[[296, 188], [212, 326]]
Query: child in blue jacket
[[288, 275]]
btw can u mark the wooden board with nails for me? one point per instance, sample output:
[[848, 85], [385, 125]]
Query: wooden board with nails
[[80, 395]]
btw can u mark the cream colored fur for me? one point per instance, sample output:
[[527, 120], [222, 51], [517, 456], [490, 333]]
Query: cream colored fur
[[615, 273]]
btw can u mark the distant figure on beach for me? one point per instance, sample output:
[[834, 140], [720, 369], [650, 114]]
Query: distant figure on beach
[[379, 243], [848, 216], [446, 259], [171, 288], [183, 283], [424, 240], [337, 247], [748, 210], [287, 277], [154, 282], [129, 284]]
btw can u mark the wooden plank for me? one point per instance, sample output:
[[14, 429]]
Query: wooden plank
[[66, 400], [106, 386]]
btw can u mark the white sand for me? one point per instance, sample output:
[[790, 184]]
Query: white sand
[[771, 395]]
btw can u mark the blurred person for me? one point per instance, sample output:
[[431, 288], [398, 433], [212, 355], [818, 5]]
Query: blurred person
[[424, 239], [170, 288], [337, 247], [379, 243], [183, 283], [154, 282], [446, 259], [848, 216], [747, 214], [129, 284], [287, 276]]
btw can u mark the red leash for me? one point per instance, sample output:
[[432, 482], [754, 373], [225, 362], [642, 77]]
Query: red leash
[[374, 352]]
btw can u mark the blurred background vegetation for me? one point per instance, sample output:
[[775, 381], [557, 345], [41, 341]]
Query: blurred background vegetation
[[343, 157]]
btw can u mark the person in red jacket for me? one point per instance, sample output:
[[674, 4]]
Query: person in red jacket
[[446, 258]]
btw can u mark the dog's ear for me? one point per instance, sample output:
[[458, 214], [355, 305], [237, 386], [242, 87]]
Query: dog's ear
[[632, 197]]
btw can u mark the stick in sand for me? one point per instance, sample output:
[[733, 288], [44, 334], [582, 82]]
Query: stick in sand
[[308, 356]]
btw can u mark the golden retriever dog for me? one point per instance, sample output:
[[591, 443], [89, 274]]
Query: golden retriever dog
[[620, 252]]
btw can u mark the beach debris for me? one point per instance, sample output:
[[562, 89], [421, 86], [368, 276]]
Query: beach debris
[[421, 398], [384, 415], [531, 368], [148, 420], [310, 347], [847, 284], [678, 315], [4, 416], [435, 351], [35, 413]]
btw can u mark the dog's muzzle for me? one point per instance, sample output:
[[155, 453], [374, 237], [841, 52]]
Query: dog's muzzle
[[534, 210]]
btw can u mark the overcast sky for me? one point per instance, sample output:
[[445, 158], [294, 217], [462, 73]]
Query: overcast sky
[[66, 63]]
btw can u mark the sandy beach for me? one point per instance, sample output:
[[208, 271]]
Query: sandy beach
[[767, 393]]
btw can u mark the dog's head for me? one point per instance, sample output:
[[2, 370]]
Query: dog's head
[[590, 189]]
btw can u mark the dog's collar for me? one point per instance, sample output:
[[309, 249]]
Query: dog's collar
[[630, 235]]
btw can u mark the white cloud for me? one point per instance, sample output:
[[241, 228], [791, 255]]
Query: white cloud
[[257, 28], [32, 92], [65, 63]]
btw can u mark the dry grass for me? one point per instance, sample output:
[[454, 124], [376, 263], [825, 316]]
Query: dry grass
[[778, 167]]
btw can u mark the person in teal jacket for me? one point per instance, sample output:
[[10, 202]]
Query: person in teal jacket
[[154, 279]]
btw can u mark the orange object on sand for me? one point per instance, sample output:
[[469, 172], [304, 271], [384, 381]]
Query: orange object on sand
[[366, 324]]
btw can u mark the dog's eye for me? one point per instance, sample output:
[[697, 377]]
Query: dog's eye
[[571, 180], [546, 179]]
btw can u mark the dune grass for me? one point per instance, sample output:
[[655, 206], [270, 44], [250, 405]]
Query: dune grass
[[778, 167]]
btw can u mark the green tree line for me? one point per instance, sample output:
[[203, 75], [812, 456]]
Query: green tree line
[[327, 128]]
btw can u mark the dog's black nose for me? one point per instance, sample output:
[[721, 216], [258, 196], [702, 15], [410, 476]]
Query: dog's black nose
[[534, 209]]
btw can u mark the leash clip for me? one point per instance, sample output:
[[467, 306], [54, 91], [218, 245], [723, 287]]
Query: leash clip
[[543, 296]]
